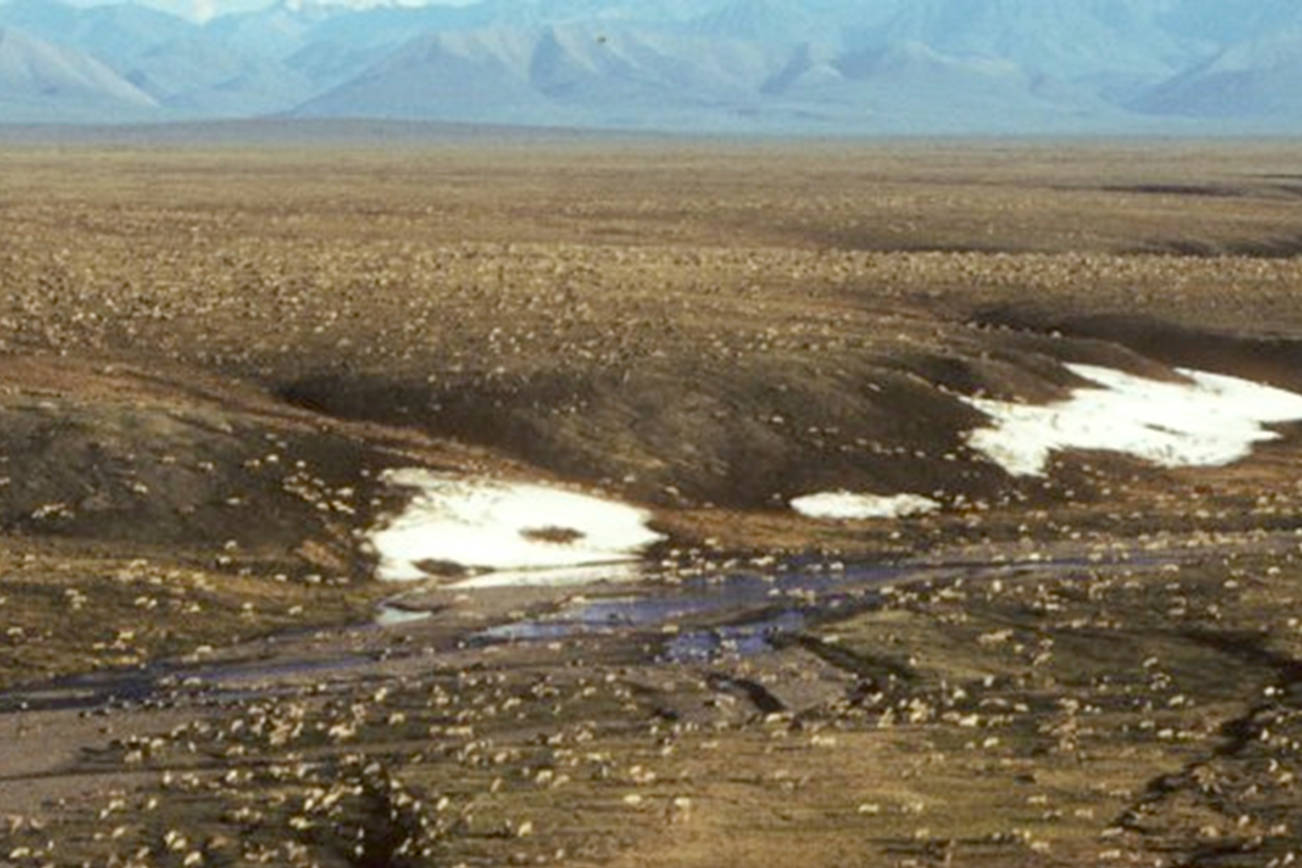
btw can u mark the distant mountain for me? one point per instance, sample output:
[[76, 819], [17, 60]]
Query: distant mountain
[[769, 22], [43, 82], [1259, 78], [113, 34], [645, 78], [272, 33], [328, 64], [536, 13], [752, 65], [392, 26], [260, 88], [910, 87], [198, 77], [1227, 22], [1070, 41], [581, 73], [593, 65], [473, 76]]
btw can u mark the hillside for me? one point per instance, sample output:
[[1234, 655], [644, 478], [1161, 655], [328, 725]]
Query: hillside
[[1259, 78], [41, 82], [114, 34]]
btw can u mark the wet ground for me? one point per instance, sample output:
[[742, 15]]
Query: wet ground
[[583, 727], [702, 618]]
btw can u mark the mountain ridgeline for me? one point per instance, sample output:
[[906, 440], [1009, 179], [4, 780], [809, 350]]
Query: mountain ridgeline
[[730, 66]]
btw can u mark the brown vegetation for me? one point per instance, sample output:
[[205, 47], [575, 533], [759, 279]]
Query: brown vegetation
[[207, 357]]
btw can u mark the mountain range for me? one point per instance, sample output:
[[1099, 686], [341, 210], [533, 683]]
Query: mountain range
[[789, 66]]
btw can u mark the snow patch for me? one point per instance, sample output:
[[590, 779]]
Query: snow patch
[[605, 573], [470, 524], [845, 505], [395, 616], [1210, 420]]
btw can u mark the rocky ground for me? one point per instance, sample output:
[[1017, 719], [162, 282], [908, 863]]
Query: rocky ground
[[209, 357]]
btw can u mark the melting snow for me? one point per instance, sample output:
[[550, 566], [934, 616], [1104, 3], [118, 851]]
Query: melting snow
[[498, 525], [609, 573], [1210, 420], [392, 616], [845, 505]]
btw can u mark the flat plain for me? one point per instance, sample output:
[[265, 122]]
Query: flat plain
[[209, 354]]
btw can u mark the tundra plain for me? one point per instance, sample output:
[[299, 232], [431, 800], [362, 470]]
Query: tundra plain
[[209, 355]]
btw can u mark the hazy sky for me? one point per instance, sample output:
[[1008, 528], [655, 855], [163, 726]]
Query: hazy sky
[[203, 9]]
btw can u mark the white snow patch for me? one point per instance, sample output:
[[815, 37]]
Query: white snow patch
[[393, 616], [1211, 420], [485, 524], [621, 573], [846, 505]]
